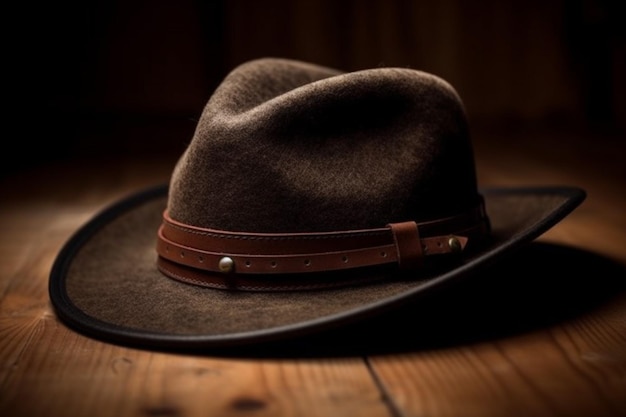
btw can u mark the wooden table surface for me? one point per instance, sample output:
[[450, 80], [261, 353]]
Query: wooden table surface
[[548, 338]]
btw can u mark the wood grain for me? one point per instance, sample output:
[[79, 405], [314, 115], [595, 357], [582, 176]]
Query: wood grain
[[575, 366], [575, 369], [79, 377]]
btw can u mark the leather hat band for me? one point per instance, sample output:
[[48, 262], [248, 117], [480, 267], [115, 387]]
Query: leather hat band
[[189, 253]]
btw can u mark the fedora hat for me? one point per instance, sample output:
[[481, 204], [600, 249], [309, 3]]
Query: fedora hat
[[307, 198]]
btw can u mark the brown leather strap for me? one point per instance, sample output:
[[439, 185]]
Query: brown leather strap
[[217, 251], [250, 263]]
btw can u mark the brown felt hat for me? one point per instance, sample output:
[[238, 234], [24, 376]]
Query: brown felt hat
[[307, 198]]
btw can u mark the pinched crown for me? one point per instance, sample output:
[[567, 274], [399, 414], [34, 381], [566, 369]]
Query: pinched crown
[[286, 146]]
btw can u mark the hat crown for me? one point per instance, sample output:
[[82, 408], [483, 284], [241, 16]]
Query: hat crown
[[286, 146]]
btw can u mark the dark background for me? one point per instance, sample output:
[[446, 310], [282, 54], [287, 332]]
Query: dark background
[[131, 77]]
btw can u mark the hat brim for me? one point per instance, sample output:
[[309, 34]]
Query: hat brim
[[104, 282]]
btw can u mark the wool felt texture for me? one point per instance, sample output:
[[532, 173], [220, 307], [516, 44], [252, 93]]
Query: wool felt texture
[[284, 146], [287, 146]]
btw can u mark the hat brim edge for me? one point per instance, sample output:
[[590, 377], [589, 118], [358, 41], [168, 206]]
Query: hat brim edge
[[76, 319]]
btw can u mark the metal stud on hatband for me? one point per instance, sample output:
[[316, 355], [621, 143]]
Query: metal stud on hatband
[[226, 264], [455, 244]]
